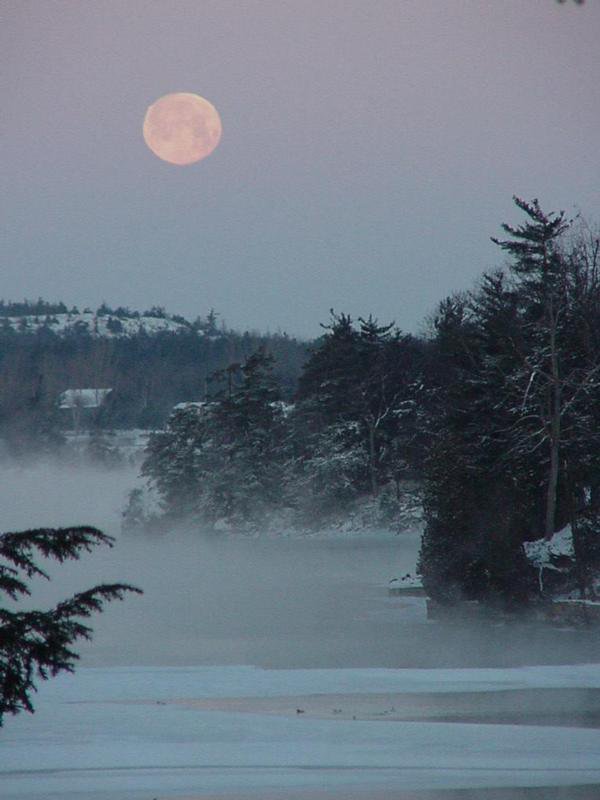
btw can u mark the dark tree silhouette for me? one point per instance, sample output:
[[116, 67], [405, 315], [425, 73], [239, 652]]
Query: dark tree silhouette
[[38, 644]]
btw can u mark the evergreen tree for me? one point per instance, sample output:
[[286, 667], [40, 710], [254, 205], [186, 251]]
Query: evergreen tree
[[352, 389], [539, 269], [222, 460], [38, 644], [514, 424], [556, 384], [181, 459], [250, 433]]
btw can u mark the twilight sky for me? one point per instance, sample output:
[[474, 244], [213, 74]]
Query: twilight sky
[[369, 150]]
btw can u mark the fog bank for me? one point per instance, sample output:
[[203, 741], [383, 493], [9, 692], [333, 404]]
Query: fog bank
[[274, 602]]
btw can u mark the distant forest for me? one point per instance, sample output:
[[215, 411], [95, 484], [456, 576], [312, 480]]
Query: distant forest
[[45, 349]]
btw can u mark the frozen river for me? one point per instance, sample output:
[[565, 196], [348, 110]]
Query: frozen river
[[277, 667], [133, 732]]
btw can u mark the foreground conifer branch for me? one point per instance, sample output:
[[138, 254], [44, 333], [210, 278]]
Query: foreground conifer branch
[[38, 644]]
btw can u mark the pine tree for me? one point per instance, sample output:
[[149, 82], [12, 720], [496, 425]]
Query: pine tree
[[181, 459], [249, 425], [538, 266], [557, 382], [475, 506], [38, 644], [222, 460], [516, 422], [353, 385], [330, 375]]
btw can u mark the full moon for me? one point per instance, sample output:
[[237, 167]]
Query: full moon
[[182, 128]]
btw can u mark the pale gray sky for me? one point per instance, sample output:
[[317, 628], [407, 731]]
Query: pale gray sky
[[369, 149]]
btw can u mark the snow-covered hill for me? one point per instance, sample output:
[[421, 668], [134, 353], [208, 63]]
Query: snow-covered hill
[[96, 325]]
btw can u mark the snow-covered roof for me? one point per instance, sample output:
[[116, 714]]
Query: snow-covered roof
[[83, 398]]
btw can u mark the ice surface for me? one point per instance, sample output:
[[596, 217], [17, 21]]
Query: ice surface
[[87, 738]]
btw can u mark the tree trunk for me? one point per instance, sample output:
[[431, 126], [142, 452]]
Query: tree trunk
[[579, 554], [374, 487], [552, 481], [555, 415]]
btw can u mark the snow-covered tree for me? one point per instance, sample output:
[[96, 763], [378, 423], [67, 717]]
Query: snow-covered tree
[[517, 418], [357, 378], [221, 460], [182, 459], [249, 429]]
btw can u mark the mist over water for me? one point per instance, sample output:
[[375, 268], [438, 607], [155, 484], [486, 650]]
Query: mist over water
[[269, 601], [276, 602]]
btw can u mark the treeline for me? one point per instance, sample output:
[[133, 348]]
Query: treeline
[[514, 417], [246, 455], [497, 411], [44, 308], [37, 307], [148, 374]]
